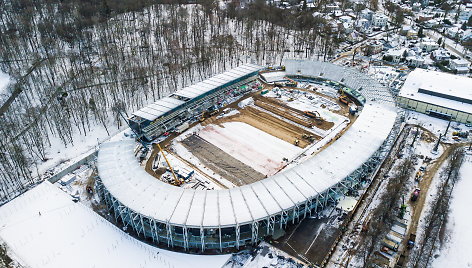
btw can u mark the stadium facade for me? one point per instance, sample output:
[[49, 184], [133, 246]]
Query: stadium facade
[[214, 220]]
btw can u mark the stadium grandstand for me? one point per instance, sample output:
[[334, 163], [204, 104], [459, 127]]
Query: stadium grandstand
[[215, 220], [189, 102]]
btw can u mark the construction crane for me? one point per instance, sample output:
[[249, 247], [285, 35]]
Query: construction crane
[[177, 181]]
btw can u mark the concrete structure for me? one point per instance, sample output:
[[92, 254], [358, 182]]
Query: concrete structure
[[214, 220], [438, 94]]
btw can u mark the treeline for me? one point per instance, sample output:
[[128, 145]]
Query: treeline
[[78, 63]]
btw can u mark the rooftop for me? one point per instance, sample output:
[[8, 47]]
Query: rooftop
[[443, 89]]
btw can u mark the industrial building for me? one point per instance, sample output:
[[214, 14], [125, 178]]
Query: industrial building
[[187, 103], [214, 220], [438, 94]]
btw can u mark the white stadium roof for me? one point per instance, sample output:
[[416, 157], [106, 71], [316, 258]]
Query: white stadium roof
[[127, 181], [439, 88]]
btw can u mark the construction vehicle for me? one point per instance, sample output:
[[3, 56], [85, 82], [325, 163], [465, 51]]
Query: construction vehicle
[[344, 99], [310, 138], [291, 82], [418, 175], [212, 111], [316, 115], [209, 112], [415, 195], [202, 117], [411, 241], [461, 134], [177, 181]]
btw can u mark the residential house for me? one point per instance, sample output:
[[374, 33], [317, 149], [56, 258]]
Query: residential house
[[459, 66]]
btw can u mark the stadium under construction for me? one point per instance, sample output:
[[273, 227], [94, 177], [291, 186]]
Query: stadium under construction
[[219, 219]]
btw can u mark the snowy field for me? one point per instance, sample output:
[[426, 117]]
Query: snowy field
[[60, 155], [255, 148], [44, 228], [456, 252]]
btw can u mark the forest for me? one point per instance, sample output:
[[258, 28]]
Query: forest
[[78, 64]]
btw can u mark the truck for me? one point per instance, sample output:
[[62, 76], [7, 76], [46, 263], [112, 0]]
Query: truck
[[411, 241], [353, 109], [415, 195]]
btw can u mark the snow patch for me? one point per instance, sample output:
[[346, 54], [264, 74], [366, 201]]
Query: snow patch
[[4, 81], [456, 253], [246, 102]]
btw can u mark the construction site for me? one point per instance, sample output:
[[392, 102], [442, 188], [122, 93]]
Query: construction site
[[250, 139], [245, 155]]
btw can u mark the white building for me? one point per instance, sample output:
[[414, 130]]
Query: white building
[[459, 66], [415, 61], [379, 20], [440, 55], [396, 54], [438, 94], [428, 46], [454, 32]]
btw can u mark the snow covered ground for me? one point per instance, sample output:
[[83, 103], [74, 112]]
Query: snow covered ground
[[437, 126], [456, 253], [4, 80], [44, 228], [267, 256], [255, 148], [60, 156]]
